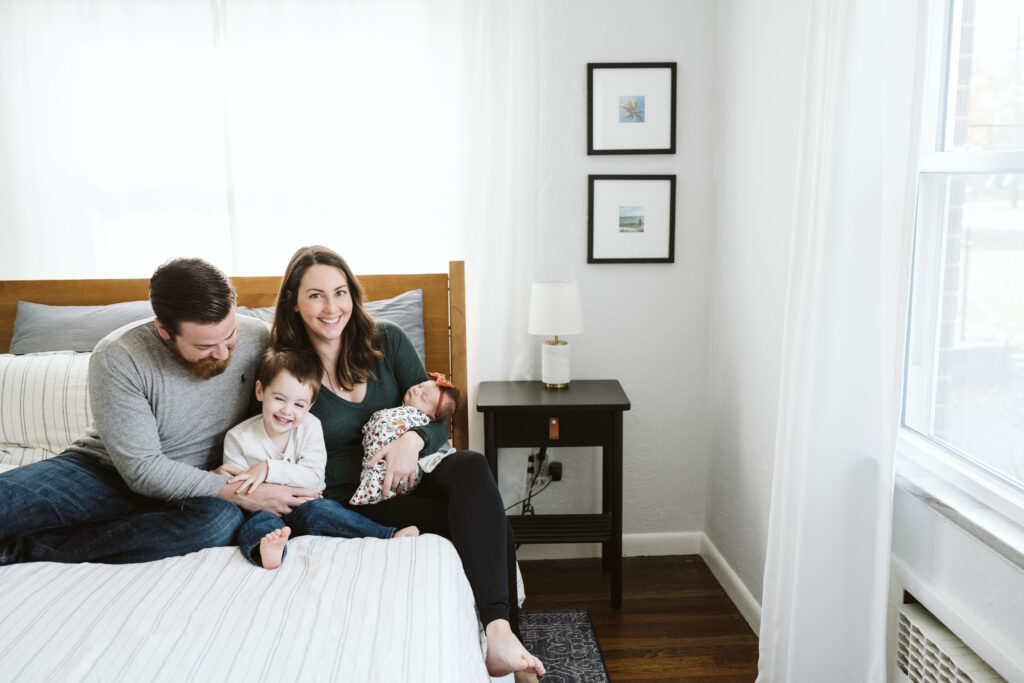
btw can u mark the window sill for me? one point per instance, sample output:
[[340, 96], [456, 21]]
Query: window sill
[[993, 517]]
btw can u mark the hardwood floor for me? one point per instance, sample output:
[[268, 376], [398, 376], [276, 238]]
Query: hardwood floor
[[676, 623]]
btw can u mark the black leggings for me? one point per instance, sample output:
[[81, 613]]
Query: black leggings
[[460, 501]]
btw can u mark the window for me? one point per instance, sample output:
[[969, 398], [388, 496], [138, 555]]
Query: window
[[134, 131], [964, 389]]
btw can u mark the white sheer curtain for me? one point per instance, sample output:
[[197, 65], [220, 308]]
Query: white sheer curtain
[[826, 576], [399, 132], [500, 229], [111, 138]]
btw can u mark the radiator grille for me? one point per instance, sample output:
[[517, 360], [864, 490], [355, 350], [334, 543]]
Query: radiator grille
[[928, 652]]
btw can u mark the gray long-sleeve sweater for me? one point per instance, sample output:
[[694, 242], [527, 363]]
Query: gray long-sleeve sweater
[[156, 422]]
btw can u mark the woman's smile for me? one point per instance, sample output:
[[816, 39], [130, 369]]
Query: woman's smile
[[324, 301]]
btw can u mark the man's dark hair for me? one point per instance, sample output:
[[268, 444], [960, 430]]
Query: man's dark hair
[[190, 290]]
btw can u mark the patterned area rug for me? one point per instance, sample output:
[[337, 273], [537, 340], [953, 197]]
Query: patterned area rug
[[565, 641]]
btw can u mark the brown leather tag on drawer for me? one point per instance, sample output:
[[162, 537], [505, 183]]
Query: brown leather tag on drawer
[[553, 428]]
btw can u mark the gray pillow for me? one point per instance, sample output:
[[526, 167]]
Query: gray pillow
[[266, 313], [38, 327], [405, 310]]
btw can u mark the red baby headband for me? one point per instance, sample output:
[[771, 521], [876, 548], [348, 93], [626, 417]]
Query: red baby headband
[[441, 381]]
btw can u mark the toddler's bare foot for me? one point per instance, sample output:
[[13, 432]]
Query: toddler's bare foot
[[505, 652], [272, 547], [407, 531]]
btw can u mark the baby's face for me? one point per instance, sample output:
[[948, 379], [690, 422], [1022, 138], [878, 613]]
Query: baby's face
[[286, 401], [423, 397]]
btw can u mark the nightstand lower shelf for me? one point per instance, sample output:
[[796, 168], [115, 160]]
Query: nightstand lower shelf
[[561, 528]]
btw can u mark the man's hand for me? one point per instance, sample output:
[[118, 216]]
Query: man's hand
[[251, 478], [276, 499], [228, 469]]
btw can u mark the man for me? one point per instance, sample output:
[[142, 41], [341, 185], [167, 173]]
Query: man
[[138, 485]]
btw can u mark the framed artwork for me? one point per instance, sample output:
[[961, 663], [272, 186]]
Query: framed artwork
[[631, 219], [631, 108]]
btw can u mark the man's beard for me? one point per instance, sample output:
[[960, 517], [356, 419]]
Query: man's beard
[[206, 367]]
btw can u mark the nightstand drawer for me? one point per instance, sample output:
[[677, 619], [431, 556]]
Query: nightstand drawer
[[553, 428]]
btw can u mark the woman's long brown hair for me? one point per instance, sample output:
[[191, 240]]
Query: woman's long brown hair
[[360, 342]]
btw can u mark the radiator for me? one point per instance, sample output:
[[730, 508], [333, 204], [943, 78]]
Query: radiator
[[928, 652]]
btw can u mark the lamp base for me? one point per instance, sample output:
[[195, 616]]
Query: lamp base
[[554, 364]]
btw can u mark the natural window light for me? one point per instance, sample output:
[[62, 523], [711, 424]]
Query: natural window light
[[984, 102], [241, 130], [964, 393]]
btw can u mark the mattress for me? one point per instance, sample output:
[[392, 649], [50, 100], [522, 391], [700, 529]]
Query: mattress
[[337, 610]]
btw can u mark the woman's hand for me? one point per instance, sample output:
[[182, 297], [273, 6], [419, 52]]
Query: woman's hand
[[402, 457], [251, 478]]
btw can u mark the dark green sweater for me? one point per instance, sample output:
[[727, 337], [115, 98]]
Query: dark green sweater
[[343, 420]]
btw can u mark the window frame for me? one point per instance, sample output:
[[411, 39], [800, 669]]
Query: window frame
[[917, 451]]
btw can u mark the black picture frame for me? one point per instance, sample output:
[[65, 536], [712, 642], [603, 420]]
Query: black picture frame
[[631, 219], [650, 126]]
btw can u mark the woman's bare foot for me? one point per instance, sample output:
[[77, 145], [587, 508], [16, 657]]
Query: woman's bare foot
[[272, 547], [505, 652], [407, 532]]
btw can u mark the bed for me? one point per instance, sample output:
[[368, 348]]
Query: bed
[[210, 616]]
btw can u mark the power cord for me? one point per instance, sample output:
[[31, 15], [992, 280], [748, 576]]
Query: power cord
[[534, 467], [526, 500], [534, 470], [531, 480]]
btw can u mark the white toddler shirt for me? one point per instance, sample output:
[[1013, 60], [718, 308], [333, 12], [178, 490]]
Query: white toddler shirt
[[302, 463]]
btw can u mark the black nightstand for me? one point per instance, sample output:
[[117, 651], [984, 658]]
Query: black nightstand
[[586, 413]]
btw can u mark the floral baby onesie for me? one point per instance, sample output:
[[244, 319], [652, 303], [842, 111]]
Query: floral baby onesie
[[384, 427]]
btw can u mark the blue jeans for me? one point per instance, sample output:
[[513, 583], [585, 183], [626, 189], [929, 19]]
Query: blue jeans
[[72, 508], [318, 517]]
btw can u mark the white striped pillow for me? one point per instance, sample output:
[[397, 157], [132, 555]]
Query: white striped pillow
[[44, 400]]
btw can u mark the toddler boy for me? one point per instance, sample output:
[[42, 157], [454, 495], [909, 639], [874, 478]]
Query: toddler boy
[[285, 445]]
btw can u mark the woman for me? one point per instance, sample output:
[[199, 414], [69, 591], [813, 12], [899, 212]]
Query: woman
[[367, 366]]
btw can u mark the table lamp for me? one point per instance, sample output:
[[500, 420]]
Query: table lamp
[[555, 310]]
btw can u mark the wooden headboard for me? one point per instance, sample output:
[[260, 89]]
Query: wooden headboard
[[444, 313]]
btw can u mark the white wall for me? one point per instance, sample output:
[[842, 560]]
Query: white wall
[[646, 324], [696, 344], [760, 79]]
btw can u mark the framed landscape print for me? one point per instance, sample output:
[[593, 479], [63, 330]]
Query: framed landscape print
[[631, 219], [631, 108]]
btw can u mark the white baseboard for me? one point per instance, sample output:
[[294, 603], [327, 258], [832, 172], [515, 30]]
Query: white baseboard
[[737, 591], [675, 543], [558, 551], [633, 545]]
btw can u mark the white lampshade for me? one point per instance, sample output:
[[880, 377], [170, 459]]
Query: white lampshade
[[555, 309]]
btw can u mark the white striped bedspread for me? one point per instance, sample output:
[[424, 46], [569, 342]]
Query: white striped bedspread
[[337, 610]]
